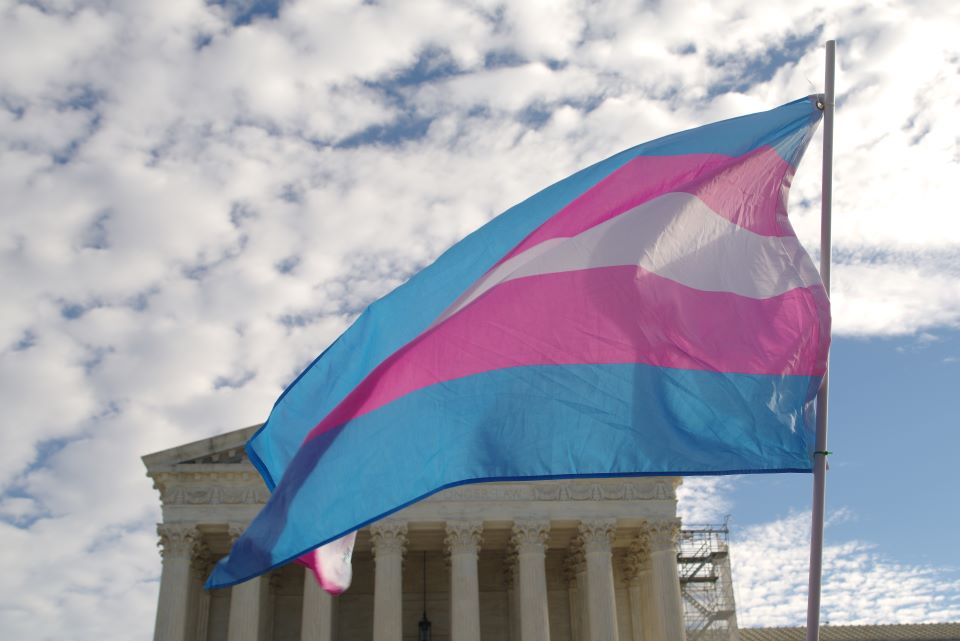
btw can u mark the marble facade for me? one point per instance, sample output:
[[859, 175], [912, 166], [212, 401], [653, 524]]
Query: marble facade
[[565, 560]]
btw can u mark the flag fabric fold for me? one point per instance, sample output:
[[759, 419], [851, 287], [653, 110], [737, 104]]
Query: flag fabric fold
[[653, 314]]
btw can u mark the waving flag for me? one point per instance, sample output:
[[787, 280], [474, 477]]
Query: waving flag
[[653, 314]]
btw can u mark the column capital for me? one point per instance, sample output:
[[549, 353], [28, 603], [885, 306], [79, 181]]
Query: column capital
[[178, 540], [597, 534], [202, 560], [663, 534], [463, 537], [389, 540], [510, 570], [637, 557], [235, 530], [389, 537], [530, 535], [570, 568], [530, 538], [575, 561]]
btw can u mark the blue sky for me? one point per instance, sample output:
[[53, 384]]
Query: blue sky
[[891, 484], [198, 197], [891, 433]]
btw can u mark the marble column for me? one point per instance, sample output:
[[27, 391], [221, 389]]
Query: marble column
[[570, 567], [597, 536], [248, 603], [582, 592], [666, 608], [578, 566], [511, 579], [463, 544], [389, 543], [316, 623], [202, 564], [178, 543], [529, 539], [636, 569]]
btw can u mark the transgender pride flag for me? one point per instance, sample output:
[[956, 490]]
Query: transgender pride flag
[[653, 314]]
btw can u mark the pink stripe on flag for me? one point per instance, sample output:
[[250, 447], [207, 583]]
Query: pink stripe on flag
[[749, 191], [607, 315]]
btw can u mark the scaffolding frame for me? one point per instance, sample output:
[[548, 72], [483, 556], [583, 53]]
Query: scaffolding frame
[[706, 583]]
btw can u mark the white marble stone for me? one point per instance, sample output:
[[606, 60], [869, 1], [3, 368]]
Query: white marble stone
[[597, 536], [666, 608], [636, 573], [200, 598], [529, 540], [178, 543], [512, 582], [463, 544], [389, 543], [248, 602], [316, 622], [570, 570]]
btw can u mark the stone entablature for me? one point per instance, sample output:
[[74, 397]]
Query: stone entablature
[[239, 483]]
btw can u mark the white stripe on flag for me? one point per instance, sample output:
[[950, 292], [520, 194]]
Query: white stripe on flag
[[676, 236]]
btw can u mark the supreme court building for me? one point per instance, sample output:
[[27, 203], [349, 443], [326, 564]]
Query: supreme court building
[[564, 560]]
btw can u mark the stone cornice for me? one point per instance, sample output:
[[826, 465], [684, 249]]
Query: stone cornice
[[187, 470], [221, 443]]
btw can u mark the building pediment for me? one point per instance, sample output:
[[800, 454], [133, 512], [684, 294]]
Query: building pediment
[[222, 449]]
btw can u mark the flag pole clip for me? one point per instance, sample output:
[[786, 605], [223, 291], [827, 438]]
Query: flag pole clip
[[824, 452]]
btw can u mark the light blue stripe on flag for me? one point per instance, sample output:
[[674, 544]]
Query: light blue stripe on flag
[[507, 424]]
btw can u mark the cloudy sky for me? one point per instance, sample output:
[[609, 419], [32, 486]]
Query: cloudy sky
[[196, 198]]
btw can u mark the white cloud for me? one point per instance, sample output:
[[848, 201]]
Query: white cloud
[[703, 500], [861, 585], [183, 227], [894, 297]]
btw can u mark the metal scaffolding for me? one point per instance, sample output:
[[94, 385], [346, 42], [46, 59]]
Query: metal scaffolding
[[706, 584]]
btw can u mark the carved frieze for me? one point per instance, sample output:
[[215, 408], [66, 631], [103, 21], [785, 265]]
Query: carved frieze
[[627, 490], [232, 488], [239, 487]]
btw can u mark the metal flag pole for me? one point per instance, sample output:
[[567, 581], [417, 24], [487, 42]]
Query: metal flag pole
[[820, 452]]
